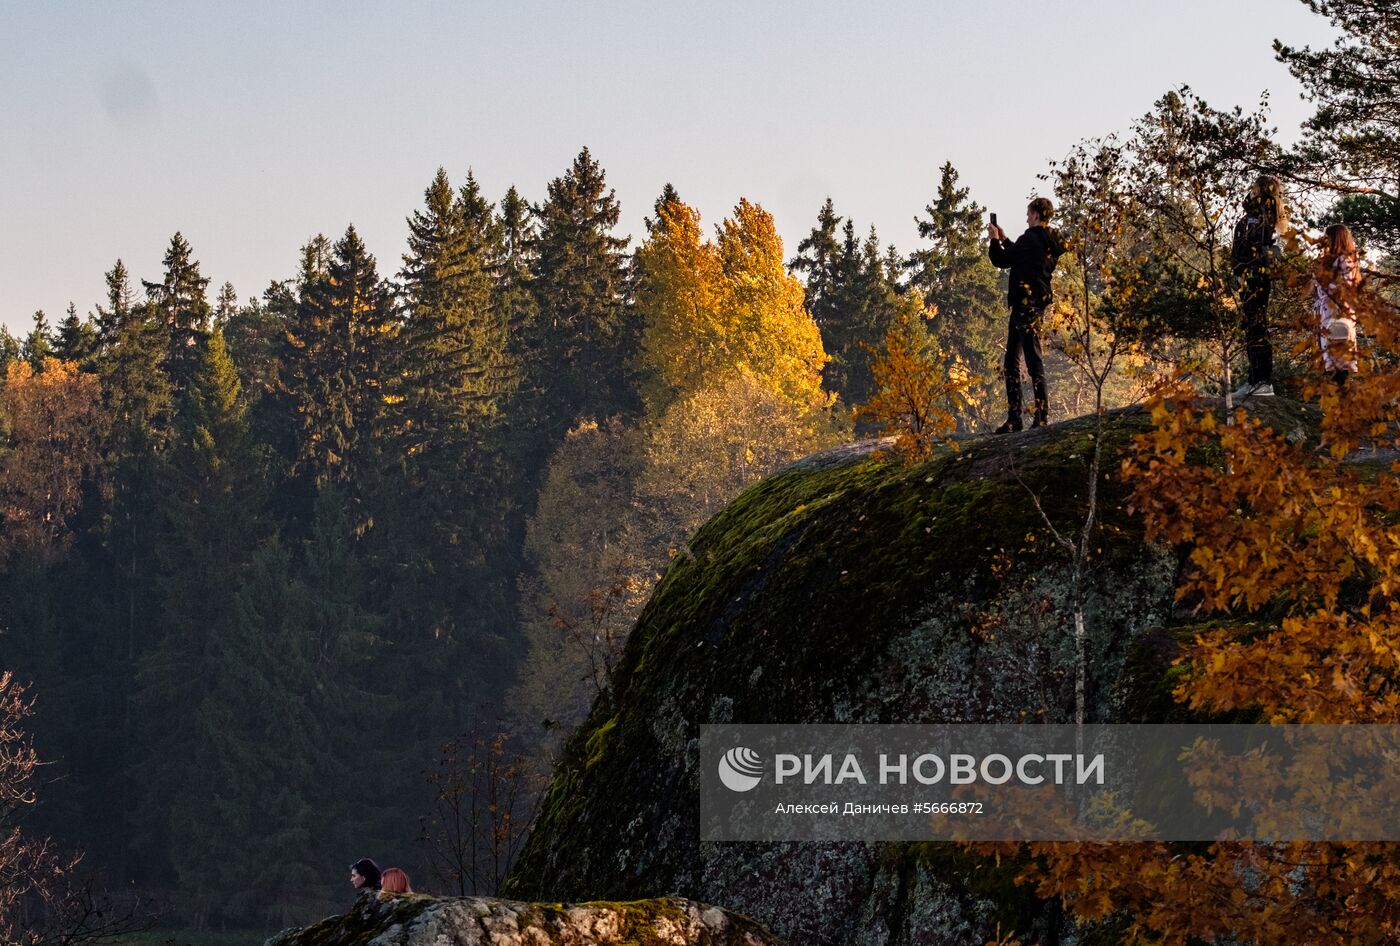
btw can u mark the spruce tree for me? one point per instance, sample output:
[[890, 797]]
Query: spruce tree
[[131, 362], [133, 348], [10, 349], [76, 340], [457, 374], [456, 369], [957, 279], [851, 295], [39, 343], [515, 301], [210, 524], [226, 306], [817, 257], [183, 309], [336, 360], [586, 336]]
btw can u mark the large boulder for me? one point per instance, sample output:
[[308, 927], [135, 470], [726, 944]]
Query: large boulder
[[854, 588], [417, 920]]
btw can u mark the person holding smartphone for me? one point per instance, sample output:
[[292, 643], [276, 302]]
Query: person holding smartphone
[[1032, 260]]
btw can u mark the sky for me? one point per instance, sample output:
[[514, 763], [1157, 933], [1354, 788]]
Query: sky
[[251, 127]]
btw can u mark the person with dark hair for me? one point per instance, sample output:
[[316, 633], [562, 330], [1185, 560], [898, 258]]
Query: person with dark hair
[[1253, 255], [1031, 260], [364, 875]]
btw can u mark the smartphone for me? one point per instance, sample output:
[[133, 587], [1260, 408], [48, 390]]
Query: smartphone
[[994, 218]]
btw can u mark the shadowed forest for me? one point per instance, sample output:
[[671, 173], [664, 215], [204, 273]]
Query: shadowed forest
[[332, 567]]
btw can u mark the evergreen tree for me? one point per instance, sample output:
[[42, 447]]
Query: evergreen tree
[[131, 363], [183, 310], [448, 516], [515, 301], [868, 300], [10, 348], [226, 306], [39, 343], [211, 523], [580, 279], [254, 333], [852, 294], [133, 348], [456, 369], [336, 361], [668, 195], [959, 282], [1351, 144], [817, 257], [76, 340]]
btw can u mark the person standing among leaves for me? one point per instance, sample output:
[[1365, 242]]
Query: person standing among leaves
[[1032, 260], [1254, 255]]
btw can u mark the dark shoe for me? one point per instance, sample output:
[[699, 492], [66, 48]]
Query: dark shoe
[[1039, 422], [1010, 427]]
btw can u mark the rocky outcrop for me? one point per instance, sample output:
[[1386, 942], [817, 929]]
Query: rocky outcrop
[[852, 588], [416, 920]]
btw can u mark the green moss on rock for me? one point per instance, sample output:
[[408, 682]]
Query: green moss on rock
[[851, 587]]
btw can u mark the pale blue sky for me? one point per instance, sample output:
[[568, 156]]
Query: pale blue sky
[[252, 126]]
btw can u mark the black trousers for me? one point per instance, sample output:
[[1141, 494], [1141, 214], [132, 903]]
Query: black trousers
[[1254, 301], [1023, 340]]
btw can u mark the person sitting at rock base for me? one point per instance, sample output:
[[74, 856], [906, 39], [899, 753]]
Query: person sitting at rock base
[[364, 875], [394, 881]]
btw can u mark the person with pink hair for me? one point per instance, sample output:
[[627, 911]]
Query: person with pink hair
[[394, 881]]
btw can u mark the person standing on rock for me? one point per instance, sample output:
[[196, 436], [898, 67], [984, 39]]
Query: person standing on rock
[[1254, 256], [1336, 278], [1031, 260]]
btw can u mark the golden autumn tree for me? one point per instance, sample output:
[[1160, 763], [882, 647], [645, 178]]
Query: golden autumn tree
[[1294, 555], [678, 277], [56, 424], [767, 330], [919, 390], [715, 308]]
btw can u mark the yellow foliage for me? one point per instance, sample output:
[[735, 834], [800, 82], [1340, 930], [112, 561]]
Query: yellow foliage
[[918, 389], [1298, 551], [715, 309], [56, 423]]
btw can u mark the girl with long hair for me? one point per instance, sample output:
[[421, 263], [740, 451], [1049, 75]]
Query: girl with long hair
[[1336, 277]]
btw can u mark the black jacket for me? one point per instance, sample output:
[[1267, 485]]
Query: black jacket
[[1031, 260]]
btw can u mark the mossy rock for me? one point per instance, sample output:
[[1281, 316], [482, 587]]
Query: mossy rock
[[854, 588], [417, 920]]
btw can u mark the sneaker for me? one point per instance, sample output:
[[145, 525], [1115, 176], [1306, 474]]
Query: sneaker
[[1262, 389], [1010, 427]]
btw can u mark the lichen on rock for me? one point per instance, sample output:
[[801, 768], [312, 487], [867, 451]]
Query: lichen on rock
[[417, 920]]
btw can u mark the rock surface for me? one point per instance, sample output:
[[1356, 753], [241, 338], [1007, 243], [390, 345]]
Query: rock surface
[[417, 920], [851, 588]]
